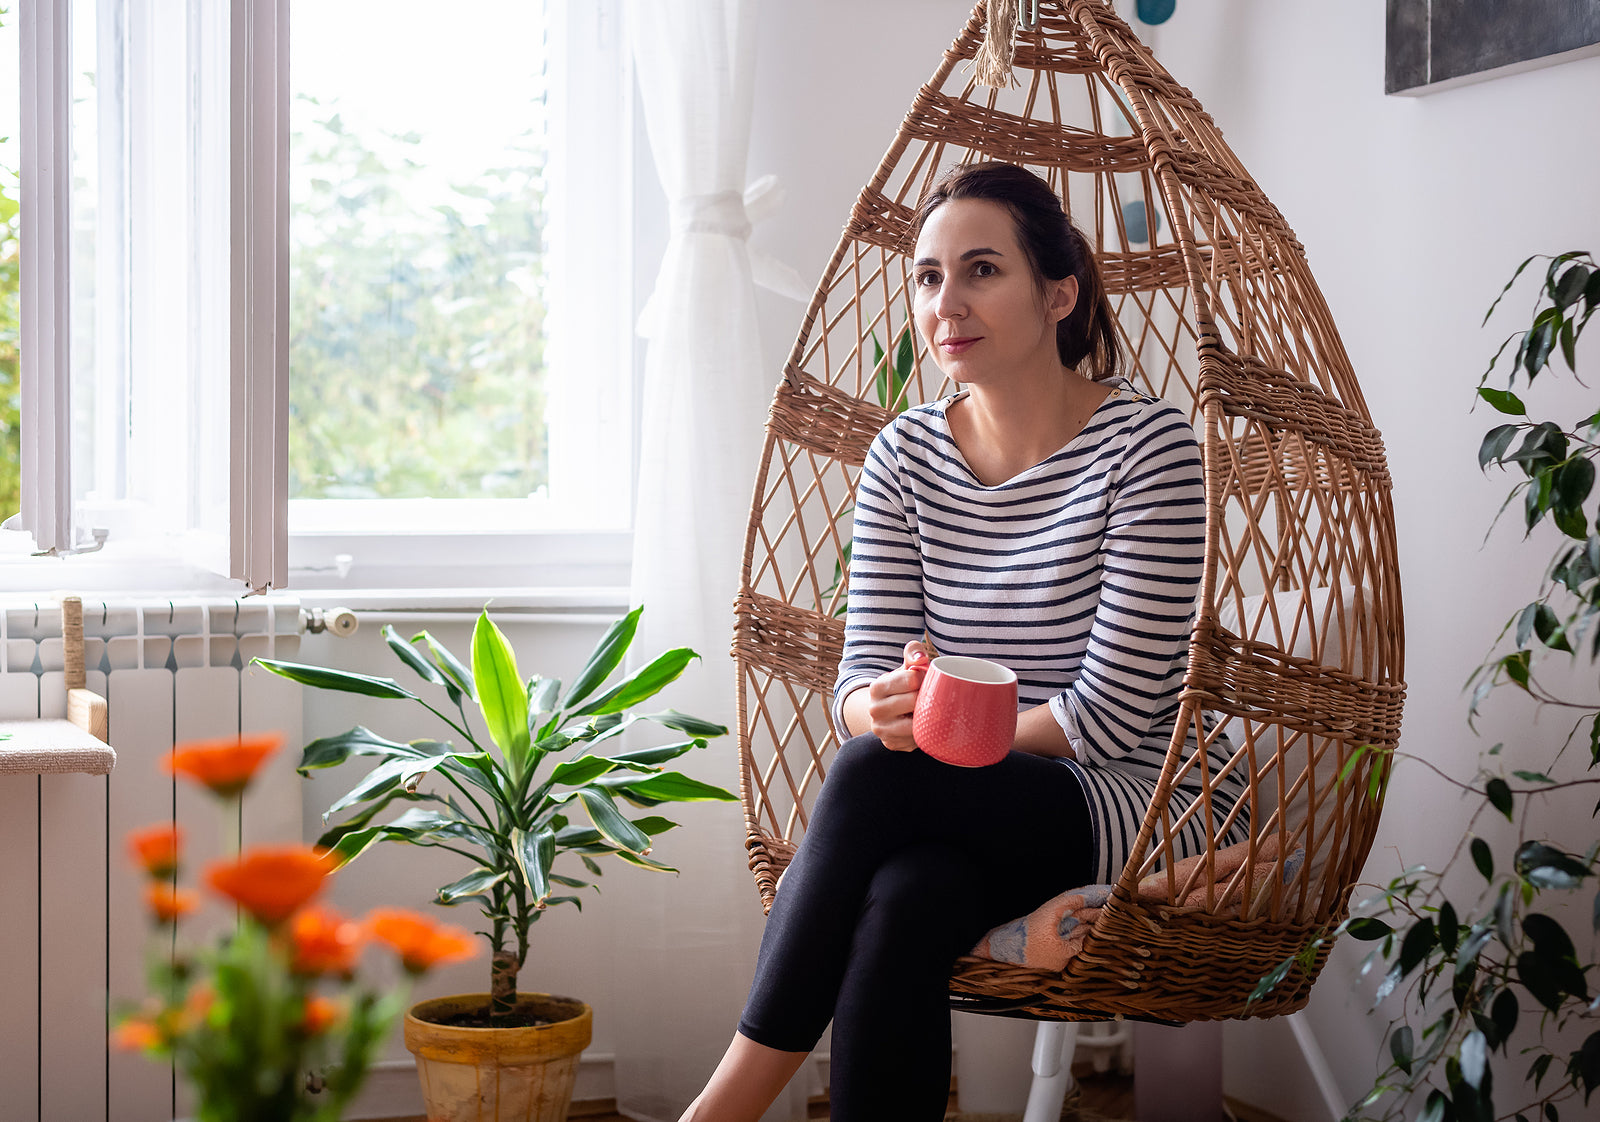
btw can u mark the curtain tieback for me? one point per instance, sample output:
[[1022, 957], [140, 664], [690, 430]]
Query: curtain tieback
[[720, 213]]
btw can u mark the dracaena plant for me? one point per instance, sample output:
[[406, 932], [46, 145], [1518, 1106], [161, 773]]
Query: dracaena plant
[[502, 795], [1472, 958]]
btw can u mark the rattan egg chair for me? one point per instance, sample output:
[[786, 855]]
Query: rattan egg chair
[[1297, 647]]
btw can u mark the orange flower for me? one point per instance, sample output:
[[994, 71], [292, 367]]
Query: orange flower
[[325, 942], [271, 882], [136, 1035], [168, 903], [155, 848], [195, 1007], [320, 1013], [225, 765], [421, 943]]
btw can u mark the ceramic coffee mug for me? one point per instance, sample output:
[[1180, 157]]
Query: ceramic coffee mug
[[966, 711]]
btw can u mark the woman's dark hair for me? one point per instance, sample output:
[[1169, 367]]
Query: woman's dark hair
[[1056, 249]]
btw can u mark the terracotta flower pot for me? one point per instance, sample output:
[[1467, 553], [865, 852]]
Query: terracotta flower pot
[[484, 1074]]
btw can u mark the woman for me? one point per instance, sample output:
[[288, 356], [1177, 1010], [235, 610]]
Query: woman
[[1048, 517]]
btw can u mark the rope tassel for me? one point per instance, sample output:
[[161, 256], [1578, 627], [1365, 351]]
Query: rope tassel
[[993, 64]]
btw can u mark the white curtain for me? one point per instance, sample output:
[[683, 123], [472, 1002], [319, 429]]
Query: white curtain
[[685, 951]]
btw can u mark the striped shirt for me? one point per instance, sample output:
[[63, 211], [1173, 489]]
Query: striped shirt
[[1080, 574]]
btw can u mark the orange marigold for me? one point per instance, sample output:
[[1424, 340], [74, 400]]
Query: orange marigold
[[136, 1035], [272, 882], [168, 903], [421, 943], [320, 1014], [227, 764], [156, 847], [325, 942]]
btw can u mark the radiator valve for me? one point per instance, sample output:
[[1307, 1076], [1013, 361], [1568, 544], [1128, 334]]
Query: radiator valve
[[339, 621]]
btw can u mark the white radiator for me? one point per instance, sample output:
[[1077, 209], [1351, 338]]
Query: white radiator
[[74, 934]]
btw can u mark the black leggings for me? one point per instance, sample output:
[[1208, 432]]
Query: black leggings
[[906, 862]]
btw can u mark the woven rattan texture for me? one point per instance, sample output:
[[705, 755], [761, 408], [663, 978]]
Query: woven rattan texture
[[1220, 315]]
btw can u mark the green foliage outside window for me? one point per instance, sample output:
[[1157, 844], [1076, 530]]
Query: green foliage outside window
[[10, 325], [417, 331]]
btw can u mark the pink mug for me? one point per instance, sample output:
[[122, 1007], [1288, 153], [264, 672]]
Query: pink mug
[[966, 711]]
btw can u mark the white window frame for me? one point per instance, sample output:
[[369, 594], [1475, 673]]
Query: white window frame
[[473, 554]]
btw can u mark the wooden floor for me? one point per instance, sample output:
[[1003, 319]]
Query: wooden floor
[[1102, 1098]]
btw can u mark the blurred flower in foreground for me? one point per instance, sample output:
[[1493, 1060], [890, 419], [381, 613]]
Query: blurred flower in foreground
[[225, 765], [156, 848], [271, 882], [241, 1020], [421, 943], [168, 903], [325, 942]]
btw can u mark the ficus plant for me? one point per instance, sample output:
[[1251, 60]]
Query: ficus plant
[[525, 782], [1474, 956]]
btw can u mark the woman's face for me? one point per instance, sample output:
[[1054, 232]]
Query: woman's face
[[978, 306]]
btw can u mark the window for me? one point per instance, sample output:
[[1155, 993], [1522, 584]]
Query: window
[[456, 409]]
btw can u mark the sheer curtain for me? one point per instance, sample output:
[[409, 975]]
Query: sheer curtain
[[684, 953]]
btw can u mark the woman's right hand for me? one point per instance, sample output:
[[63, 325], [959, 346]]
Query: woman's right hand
[[892, 697]]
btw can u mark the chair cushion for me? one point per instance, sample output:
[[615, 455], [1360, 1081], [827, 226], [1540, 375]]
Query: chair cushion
[[1051, 935]]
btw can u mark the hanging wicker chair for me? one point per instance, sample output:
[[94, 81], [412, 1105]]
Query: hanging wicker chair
[[1297, 647]]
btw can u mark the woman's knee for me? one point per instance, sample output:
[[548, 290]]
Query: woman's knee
[[861, 760]]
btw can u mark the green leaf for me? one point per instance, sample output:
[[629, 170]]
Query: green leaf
[[408, 655], [414, 826], [330, 751], [645, 862], [449, 665], [1589, 1064], [575, 773], [535, 853], [1569, 290], [1548, 867], [1507, 288], [1495, 443], [606, 657], [1449, 927], [1499, 795], [1400, 1043], [501, 694], [1368, 929], [610, 822], [1532, 776], [692, 726], [479, 882], [1483, 858], [542, 695], [675, 787], [1547, 626], [1594, 733], [321, 678], [654, 824], [1433, 1109], [1573, 482], [1416, 944], [1516, 666], [642, 684], [386, 776], [1474, 1056], [654, 757], [1504, 1014], [1504, 401]]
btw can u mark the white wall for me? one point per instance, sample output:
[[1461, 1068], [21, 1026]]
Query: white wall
[[1413, 212]]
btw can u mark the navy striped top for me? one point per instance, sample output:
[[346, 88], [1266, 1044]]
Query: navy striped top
[[1080, 574]]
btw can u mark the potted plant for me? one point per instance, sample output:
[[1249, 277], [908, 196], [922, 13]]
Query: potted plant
[[495, 802], [1474, 959]]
